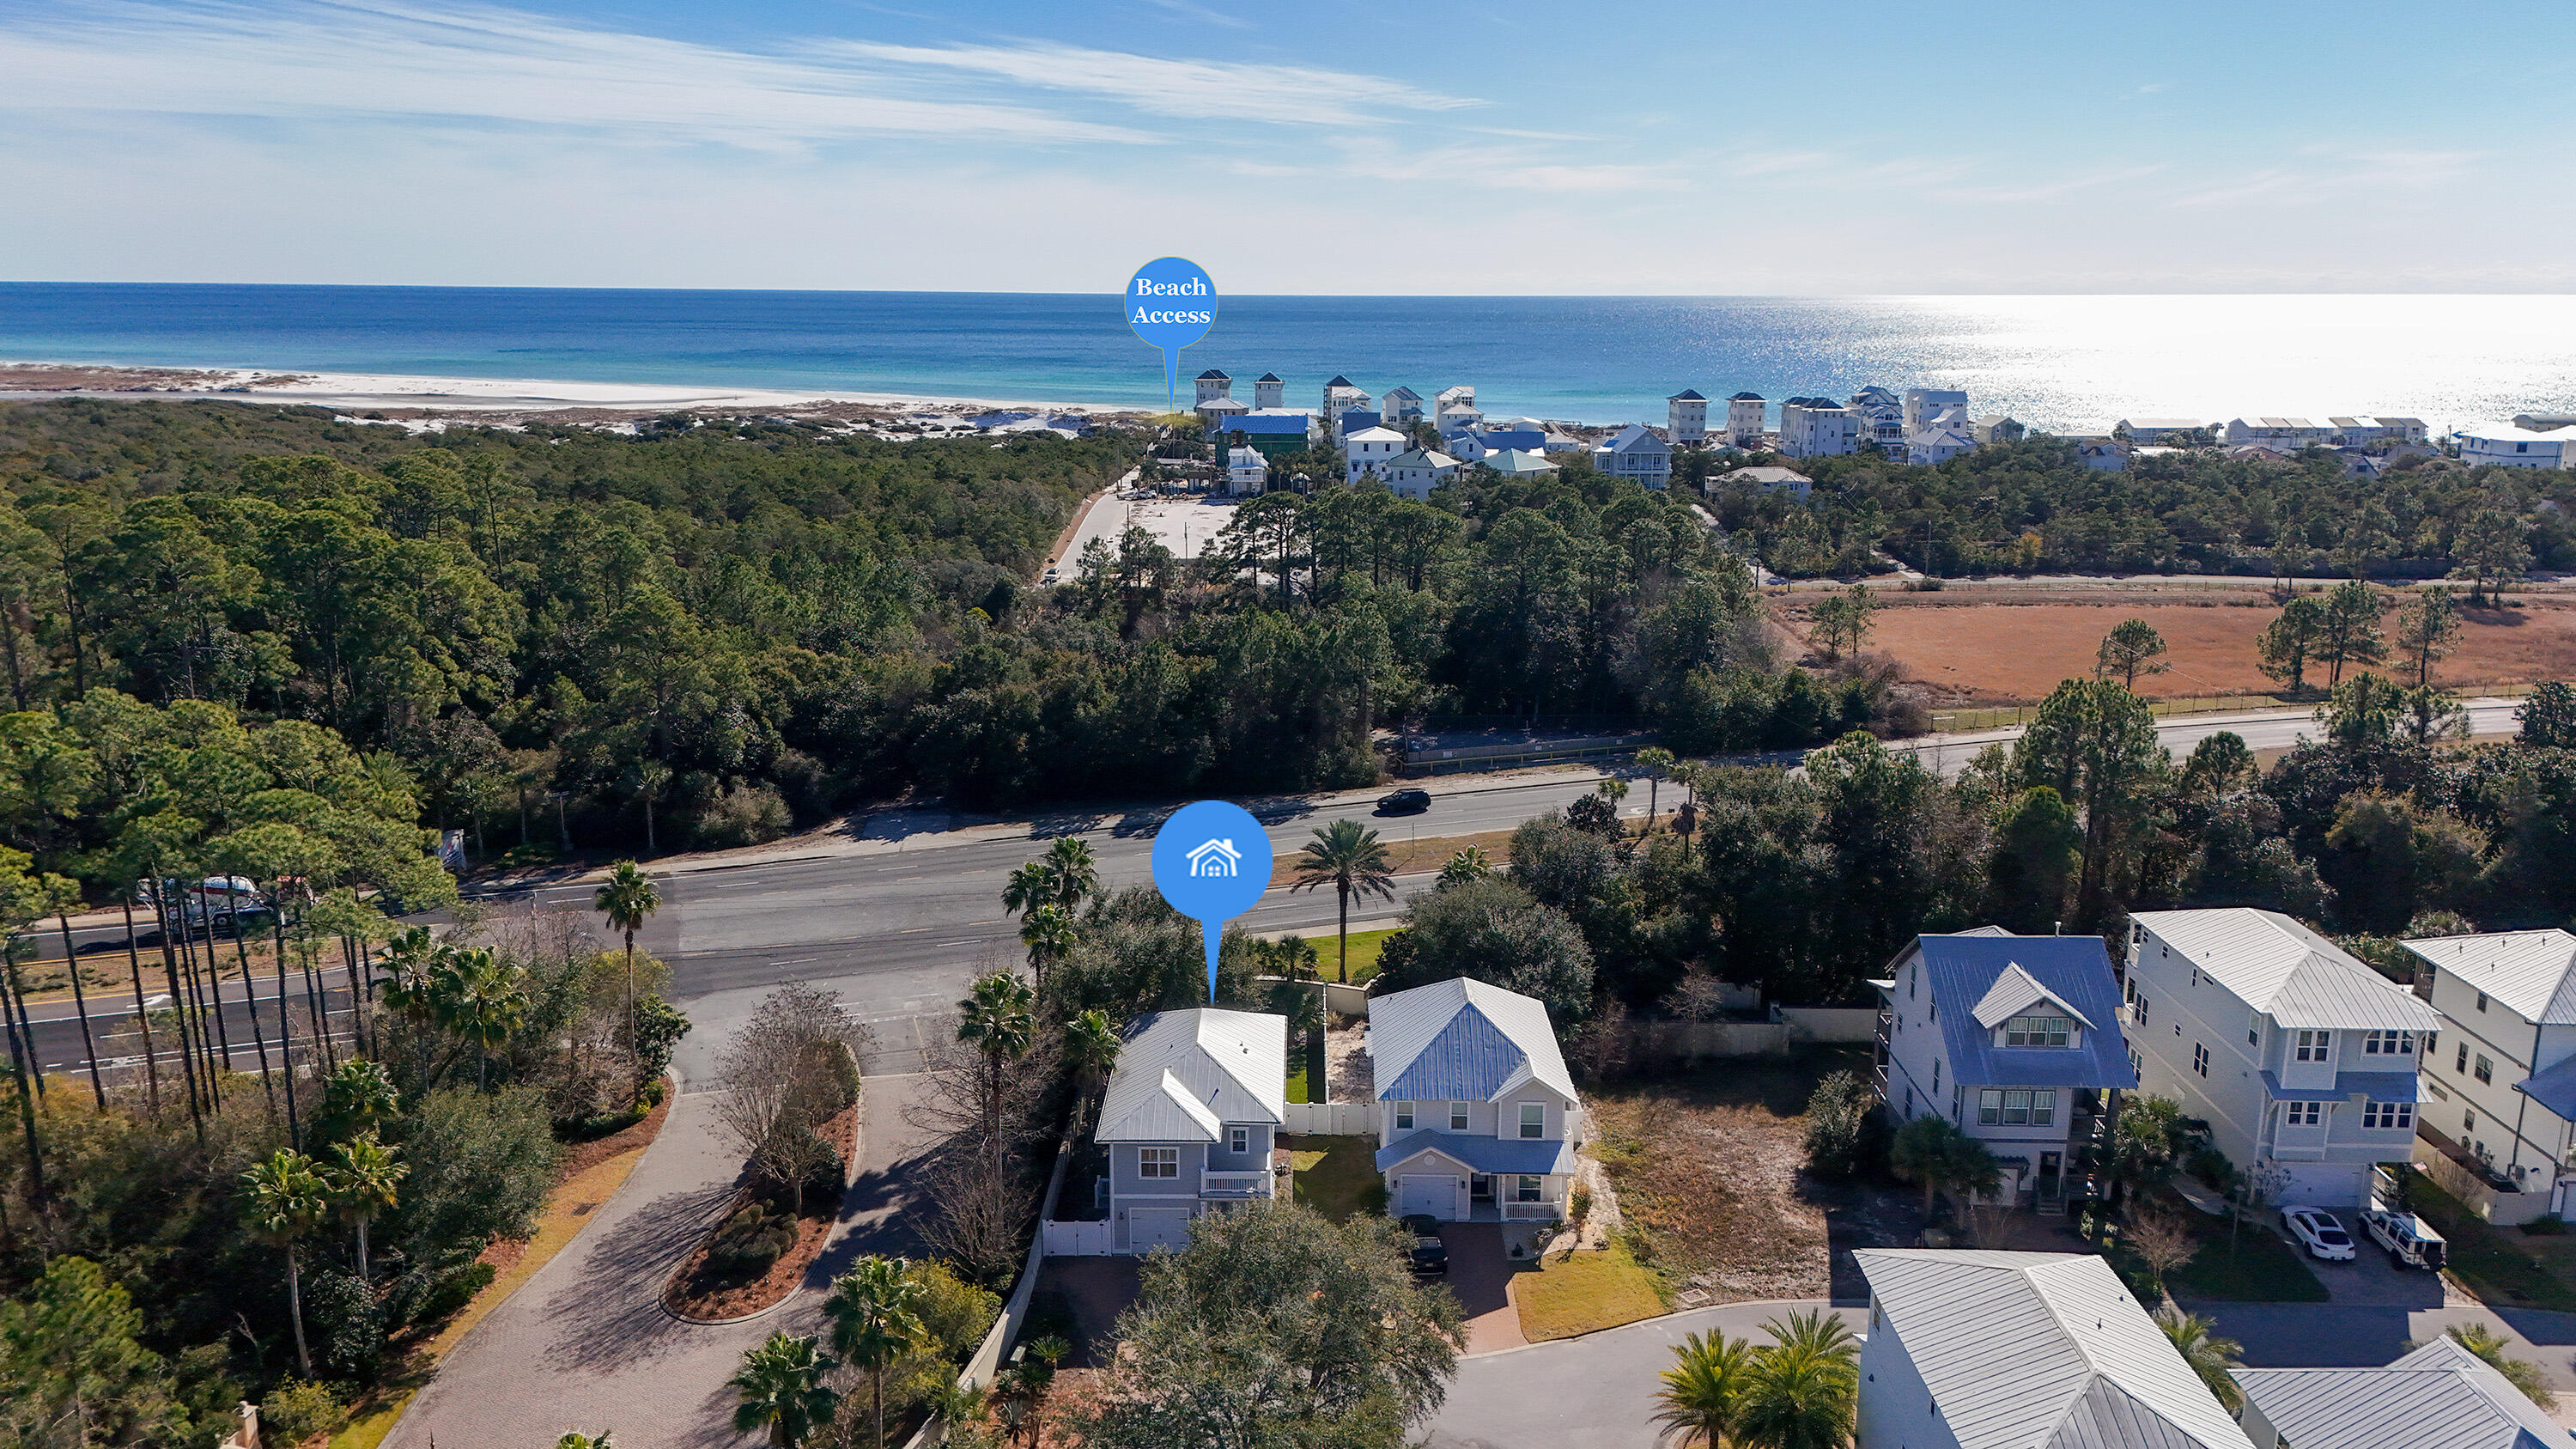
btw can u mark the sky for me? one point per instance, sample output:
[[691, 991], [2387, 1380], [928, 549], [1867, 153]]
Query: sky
[[1338, 148]]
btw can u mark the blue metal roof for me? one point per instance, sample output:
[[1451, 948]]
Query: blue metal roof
[[2554, 1089], [1280, 423], [1484, 1154], [2377, 1086], [2075, 969]]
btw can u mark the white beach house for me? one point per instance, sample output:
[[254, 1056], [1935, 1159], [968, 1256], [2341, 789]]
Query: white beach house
[[1686, 419], [1817, 427], [1744, 419]]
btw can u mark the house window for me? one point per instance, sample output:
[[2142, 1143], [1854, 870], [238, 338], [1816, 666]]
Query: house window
[[2469, 1120], [2388, 1116], [1533, 1119], [2254, 1029], [2142, 1009], [1404, 1116], [2388, 1044], [1936, 1079], [1999, 1107], [2311, 1046], [1525, 1188], [1933, 1012], [2482, 1001], [1238, 1140], [1457, 1116], [2137, 1063], [2200, 1058], [2305, 1114], [2037, 1031], [2486, 1069], [1158, 1162], [2460, 1063], [1958, 1101]]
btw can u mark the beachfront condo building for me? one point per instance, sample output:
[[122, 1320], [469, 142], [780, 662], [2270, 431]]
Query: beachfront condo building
[[1686, 419], [1924, 405], [1269, 394], [1744, 419], [1817, 427], [1341, 395], [2504, 445], [2150, 431], [2281, 435]]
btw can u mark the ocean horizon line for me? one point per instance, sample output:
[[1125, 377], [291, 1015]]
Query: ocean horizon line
[[1113, 292]]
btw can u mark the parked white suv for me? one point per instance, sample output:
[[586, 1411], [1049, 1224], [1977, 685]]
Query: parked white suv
[[2318, 1232]]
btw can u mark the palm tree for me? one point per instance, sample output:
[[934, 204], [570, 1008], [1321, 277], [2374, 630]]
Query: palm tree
[[2211, 1357], [2490, 1346], [1464, 868], [478, 997], [1613, 790], [1091, 1045], [1703, 1392], [1353, 861], [287, 1202], [1804, 1387], [1075, 874], [1049, 934], [1657, 762], [1031, 885], [998, 1019], [362, 1184], [781, 1384], [628, 899], [875, 1310], [585, 1441]]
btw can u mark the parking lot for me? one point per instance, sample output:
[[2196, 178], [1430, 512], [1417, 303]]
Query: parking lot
[[1184, 524]]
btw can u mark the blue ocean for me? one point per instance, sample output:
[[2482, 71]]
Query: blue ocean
[[2064, 362]]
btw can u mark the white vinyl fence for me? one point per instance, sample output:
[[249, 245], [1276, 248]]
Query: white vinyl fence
[[1330, 1119], [1078, 1240]]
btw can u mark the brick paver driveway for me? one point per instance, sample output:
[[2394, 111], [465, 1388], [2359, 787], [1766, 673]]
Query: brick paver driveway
[[584, 1345]]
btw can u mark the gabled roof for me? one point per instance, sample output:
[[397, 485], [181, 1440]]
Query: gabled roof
[[1267, 377], [2041, 1351], [2441, 1396], [2533, 972], [2014, 992], [1686, 395], [1373, 434], [1965, 973], [1636, 438], [1400, 390], [1746, 397], [1212, 372], [1416, 458], [1269, 420], [1767, 476], [1480, 1153], [1222, 405], [2277, 966], [1182, 1075], [1518, 460], [1462, 1041], [1340, 381]]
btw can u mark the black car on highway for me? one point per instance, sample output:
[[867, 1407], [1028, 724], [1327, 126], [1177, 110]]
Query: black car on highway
[[1428, 1254], [1406, 801]]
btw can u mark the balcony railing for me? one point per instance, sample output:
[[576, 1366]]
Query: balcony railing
[[1235, 1185]]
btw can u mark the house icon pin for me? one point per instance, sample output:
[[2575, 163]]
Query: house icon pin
[[1215, 858]]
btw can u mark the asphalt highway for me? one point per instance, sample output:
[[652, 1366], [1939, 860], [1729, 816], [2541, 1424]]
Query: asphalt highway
[[899, 920]]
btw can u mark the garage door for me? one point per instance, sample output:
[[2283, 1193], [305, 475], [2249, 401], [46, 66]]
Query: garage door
[[1151, 1228], [1437, 1196]]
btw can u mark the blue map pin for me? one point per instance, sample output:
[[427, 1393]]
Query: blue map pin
[[1171, 304], [1212, 862]]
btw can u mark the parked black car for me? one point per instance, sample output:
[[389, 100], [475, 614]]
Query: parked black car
[[1428, 1253], [1406, 801]]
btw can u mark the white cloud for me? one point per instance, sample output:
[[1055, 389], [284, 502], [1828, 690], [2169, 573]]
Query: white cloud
[[1165, 86]]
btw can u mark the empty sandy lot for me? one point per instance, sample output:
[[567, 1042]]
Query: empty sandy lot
[[1989, 652]]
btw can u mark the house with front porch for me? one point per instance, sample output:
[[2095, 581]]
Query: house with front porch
[[2015, 1039], [1191, 1121], [2296, 1054], [1477, 1112]]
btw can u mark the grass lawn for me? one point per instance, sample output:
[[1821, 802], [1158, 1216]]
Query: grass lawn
[[1306, 1071], [1583, 1292], [2489, 1261], [2262, 1269], [1364, 948], [1336, 1176]]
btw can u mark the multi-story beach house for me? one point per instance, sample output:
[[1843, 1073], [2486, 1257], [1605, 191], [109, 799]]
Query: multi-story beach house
[[2102, 455], [1214, 384], [1400, 408], [1415, 472], [1881, 426], [2283, 435], [1341, 395], [2293, 1052], [1269, 394], [1519, 463], [1369, 451], [1924, 406], [1191, 1120], [1477, 444], [1477, 1113], [1686, 419], [1817, 427], [1996, 428], [1246, 471], [2015, 1039], [2439, 1396], [1636, 454], [2505, 445], [2000, 1350], [1767, 477], [1274, 432], [1217, 414], [1938, 444], [2500, 1082], [1744, 419]]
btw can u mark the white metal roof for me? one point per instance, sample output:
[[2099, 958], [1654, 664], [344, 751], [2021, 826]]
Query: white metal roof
[[1374, 435], [2441, 1396], [2041, 1351], [2531, 972], [2279, 967], [2015, 989], [1184, 1074], [1471, 1041]]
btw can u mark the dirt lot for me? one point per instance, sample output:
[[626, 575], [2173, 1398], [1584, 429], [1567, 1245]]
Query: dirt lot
[[1708, 1165], [1979, 650]]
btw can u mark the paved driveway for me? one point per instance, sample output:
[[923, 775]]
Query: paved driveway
[[1481, 1277], [584, 1345]]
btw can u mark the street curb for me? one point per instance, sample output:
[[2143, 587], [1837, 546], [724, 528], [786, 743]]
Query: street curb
[[1660, 1317], [849, 1178]]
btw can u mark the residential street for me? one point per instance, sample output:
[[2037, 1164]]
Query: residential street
[[586, 1345]]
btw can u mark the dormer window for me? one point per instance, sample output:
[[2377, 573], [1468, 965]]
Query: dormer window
[[2054, 1031]]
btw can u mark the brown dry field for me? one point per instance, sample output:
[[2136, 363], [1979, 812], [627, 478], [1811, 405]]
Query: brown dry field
[[1979, 652]]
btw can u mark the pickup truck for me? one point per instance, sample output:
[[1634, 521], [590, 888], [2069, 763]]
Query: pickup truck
[[2411, 1242]]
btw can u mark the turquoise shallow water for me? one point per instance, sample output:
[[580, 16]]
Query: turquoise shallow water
[[2062, 362]]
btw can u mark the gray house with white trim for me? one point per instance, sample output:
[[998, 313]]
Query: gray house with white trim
[[2441, 1396], [1191, 1121], [1477, 1112]]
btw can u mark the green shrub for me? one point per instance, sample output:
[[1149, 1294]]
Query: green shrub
[[1838, 1138], [347, 1323], [295, 1411], [1579, 1206], [2213, 1169], [749, 1241], [957, 1313], [428, 1295]]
